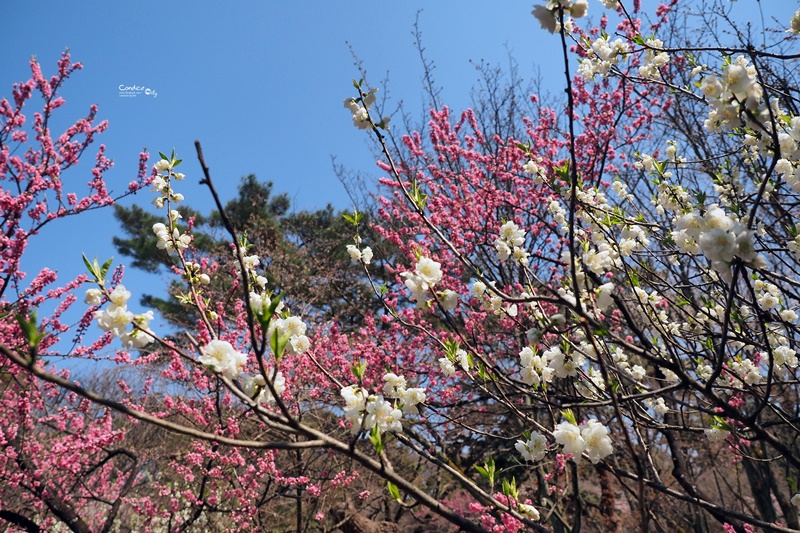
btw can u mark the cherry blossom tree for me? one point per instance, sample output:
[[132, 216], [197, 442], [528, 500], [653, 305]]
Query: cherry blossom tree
[[587, 318]]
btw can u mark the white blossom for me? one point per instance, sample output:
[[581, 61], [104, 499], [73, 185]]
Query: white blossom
[[716, 434], [411, 398], [221, 357], [569, 436], [115, 319], [93, 297], [462, 358], [137, 338], [546, 18], [449, 299], [534, 449], [429, 270], [530, 512], [579, 8], [604, 299], [395, 385], [478, 289], [446, 366], [597, 443]]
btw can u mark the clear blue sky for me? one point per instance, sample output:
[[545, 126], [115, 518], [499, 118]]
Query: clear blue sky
[[261, 84]]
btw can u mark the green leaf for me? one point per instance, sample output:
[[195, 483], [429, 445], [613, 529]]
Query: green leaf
[[359, 369], [569, 416], [417, 196], [163, 156], [98, 272], [450, 348], [30, 330], [701, 197], [563, 171], [510, 488], [267, 314], [487, 470], [394, 492], [87, 263], [355, 219], [278, 344], [104, 269], [375, 439], [720, 423]]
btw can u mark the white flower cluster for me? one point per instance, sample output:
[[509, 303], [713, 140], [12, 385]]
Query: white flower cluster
[[669, 197], [591, 437], [169, 238], [552, 363], [718, 236], [601, 56], [738, 85], [768, 295], [509, 244], [448, 366], [494, 303], [534, 449], [659, 406], [654, 59], [534, 168], [559, 214], [291, 328], [171, 241], [620, 358], [116, 318], [783, 355], [221, 357], [603, 254], [547, 15], [448, 299], [529, 511], [256, 386], [747, 371], [194, 274], [161, 184], [408, 397], [601, 259], [672, 153], [427, 273], [364, 255], [365, 411], [361, 112], [794, 27], [294, 329], [788, 166]]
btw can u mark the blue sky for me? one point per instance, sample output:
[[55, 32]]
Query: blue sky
[[261, 84]]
